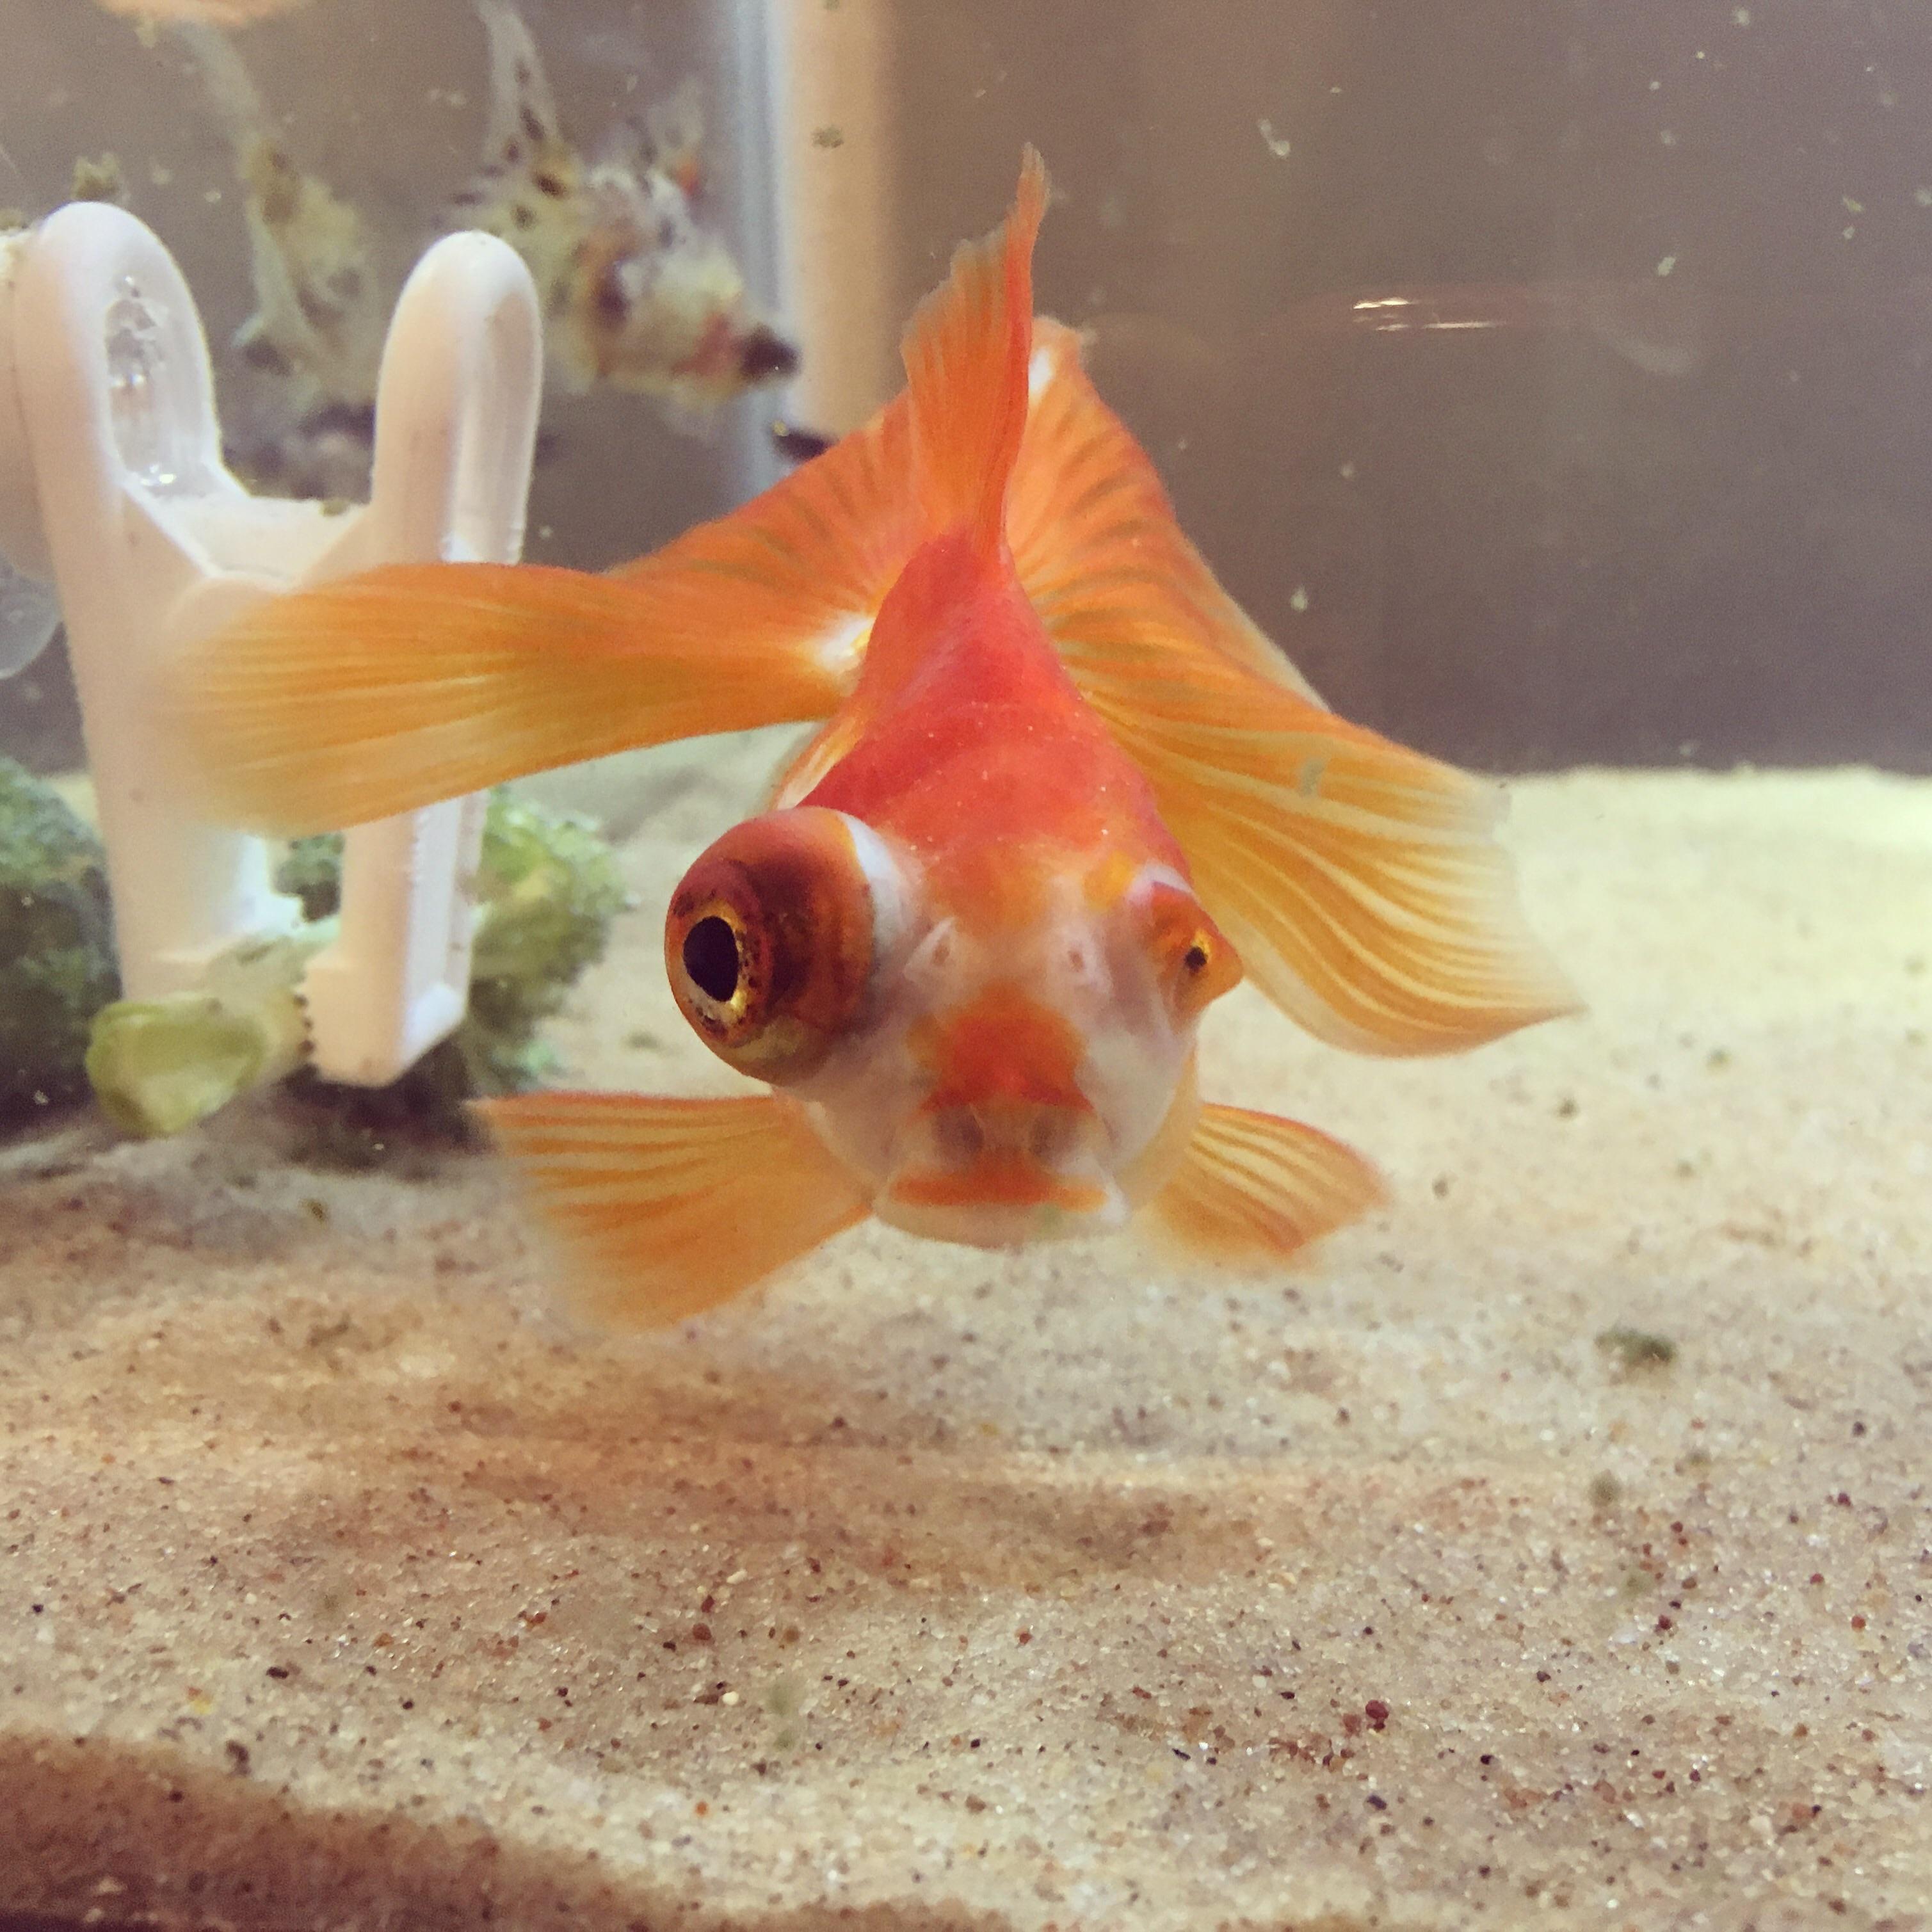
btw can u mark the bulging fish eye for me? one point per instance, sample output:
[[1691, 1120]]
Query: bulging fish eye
[[1196, 962], [769, 942]]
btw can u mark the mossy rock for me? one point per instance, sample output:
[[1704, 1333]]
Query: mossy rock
[[57, 965]]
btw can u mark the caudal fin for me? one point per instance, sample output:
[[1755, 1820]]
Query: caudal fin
[[967, 352], [1361, 882], [667, 1207], [1255, 1187], [213, 13], [1094, 535], [389, 690]]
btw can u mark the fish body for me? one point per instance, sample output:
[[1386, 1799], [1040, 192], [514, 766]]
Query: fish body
[[1038, 957], [964, 944], [1011, 1076], [1064, 793]]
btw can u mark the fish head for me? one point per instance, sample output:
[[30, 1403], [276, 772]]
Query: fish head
[[1000, 1053]]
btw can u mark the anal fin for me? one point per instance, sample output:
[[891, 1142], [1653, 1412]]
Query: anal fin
[[1255, 1187], [667, 1207]]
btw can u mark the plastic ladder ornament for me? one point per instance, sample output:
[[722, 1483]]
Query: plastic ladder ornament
[[112, 488]]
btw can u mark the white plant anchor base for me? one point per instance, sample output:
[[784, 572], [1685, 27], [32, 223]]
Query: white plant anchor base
[[113, 491]]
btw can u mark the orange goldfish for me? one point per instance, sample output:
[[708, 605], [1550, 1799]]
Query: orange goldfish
[[1064, 794], [213, 13]]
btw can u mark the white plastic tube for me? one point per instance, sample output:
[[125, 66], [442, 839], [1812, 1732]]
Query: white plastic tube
[[112, 485]]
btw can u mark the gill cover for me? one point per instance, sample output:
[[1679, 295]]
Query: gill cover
[[772, 938]]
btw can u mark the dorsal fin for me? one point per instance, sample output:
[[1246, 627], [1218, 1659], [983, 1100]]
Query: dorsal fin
[[966, 352]]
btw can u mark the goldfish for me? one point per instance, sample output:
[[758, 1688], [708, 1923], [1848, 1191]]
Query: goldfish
[[638, 294], [214, 13], [1063, 797], [321, 296]]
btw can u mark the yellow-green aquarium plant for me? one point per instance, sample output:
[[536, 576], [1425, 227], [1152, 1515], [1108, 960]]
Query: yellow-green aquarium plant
[[547, 890]]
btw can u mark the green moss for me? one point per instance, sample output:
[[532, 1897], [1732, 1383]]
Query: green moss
[[311, 871], [547, 888], [57, 968], [99, 178]]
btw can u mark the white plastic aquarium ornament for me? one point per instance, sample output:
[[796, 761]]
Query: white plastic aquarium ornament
[[113, 491]]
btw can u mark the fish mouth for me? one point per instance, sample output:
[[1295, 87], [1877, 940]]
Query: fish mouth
[[979, 1222], [1000, 1179]]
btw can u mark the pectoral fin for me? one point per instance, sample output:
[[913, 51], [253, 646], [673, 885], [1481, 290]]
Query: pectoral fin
[[667, 1208], [1255, 1187]]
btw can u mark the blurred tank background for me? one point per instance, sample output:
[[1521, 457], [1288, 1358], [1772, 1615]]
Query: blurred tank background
[[387, 105], [1674, 503], [1552, 383]]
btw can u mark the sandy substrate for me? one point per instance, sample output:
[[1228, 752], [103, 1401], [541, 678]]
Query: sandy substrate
[[344, 1581]]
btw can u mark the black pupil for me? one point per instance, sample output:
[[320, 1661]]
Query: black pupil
[[1194, 958], [711, 958]]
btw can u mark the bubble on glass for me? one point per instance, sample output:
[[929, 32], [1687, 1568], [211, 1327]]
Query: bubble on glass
[[29, 615], [157, 448]]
